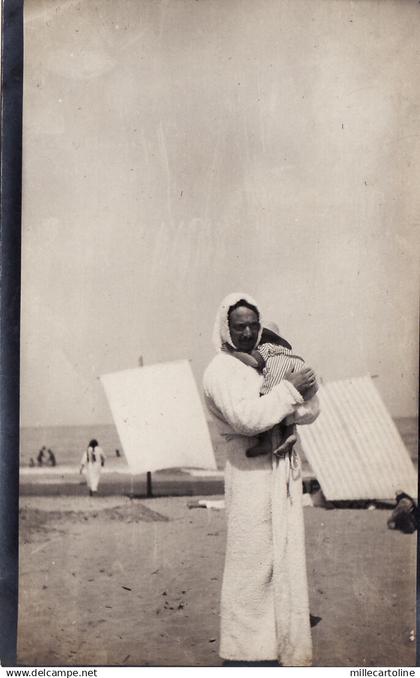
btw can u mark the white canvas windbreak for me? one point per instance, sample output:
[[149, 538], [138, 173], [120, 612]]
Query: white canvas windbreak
[[159, 417]]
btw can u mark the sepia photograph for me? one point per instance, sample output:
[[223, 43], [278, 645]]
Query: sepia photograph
[[219, 333]]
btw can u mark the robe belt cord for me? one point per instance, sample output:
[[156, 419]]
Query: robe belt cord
[[291, 459]]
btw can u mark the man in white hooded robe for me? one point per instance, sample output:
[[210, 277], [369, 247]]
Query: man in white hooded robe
[[264, 599]]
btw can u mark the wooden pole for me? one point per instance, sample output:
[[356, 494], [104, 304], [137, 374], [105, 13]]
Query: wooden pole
[[149, 484], [149, 490]]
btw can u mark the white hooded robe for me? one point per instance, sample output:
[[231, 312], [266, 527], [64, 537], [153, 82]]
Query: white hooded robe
[[93, 462], [264, 600]]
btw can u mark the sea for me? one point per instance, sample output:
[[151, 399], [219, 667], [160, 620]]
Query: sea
[[69, 442]]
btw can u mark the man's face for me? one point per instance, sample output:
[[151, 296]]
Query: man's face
[[244, 328]]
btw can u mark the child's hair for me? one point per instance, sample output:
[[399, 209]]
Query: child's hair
[[268, 337]]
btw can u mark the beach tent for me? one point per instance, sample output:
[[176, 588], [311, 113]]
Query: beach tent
[[354, 447], [159, 417]]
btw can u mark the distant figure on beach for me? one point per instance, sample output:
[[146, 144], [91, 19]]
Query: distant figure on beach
[[51, 461], [117, 453], [40, 457], [94, 460], [264, 598]]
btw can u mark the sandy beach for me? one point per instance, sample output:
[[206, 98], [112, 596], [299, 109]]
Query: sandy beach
[[114, 581]]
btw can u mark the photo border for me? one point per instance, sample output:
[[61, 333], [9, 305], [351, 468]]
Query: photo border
[[11, 211]]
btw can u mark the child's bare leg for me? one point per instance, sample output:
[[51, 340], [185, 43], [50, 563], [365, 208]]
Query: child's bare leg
[[264, 445], [288, 439]]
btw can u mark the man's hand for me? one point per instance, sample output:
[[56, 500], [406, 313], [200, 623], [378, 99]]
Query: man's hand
[[303, 380]]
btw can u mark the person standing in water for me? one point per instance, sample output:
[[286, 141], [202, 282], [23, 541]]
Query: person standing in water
[[94, 460]]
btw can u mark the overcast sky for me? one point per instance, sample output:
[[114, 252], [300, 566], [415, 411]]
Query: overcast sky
[[175, 151]]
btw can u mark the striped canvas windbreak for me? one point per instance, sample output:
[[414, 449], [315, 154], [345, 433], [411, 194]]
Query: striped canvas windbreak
[[354, 447]]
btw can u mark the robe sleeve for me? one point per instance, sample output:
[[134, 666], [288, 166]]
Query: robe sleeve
[[307, 412], [240, 404]]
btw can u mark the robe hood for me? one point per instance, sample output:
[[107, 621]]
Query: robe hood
[[221, 332]]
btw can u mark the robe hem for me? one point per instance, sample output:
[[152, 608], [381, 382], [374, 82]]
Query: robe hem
[[254, 658]]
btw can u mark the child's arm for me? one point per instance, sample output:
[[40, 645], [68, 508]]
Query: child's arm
[[253, 359]]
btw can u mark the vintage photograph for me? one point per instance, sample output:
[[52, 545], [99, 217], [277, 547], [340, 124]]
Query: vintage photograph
[[219, 333]]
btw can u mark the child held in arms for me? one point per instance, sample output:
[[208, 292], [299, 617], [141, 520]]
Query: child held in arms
[[275, 359]]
